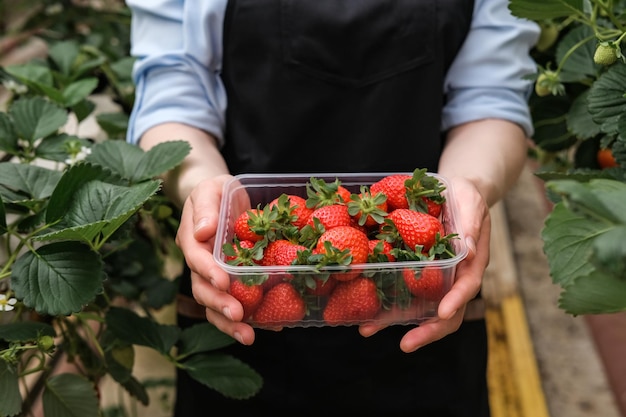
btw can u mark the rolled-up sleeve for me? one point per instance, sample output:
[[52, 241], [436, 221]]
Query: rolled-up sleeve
[[486, 79], [177, 46]]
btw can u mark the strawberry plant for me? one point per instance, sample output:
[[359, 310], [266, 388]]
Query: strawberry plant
[[86, 233], [579, 111]]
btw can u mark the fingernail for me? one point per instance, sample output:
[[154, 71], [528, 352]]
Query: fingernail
[[238, 337], [203, 222], [226, 312]]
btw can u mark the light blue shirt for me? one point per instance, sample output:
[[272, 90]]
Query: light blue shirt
[[178, 46]]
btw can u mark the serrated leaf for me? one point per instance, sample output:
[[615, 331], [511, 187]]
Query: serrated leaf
[[35, 117], [202, 337], [63, 54], [11, 403], [600, 199], [550, 116], [58, 278], [567, 240], [224, 374], [100, 208], [31, 74], [78, 91], [114, 124], [133, 329], [30, 181], [576, 51], [70, 395], [8, 135], [25, 331], [579, 119], [71, 181], [545, 9], [54, 148], [606, 98], [131, 162], [596, 293], [609, 252]]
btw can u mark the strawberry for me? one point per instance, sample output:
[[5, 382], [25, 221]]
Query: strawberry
[[294, 208], [286, 253], [352, 301], [255, 224], [331, 216], [281, 305], [248, 294], [427, 283], [320, 286], [367, 208], [343, 245], [393, 187], [380, 251], [321, 193], [415, 228]]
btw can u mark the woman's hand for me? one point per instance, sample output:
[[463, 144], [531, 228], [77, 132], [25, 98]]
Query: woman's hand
[[209, 282], [475, 222]]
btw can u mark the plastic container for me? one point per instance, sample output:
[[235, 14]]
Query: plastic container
[[399, 305]]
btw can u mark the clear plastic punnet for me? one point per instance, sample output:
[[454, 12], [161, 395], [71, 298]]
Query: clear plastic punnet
[[305, 305]]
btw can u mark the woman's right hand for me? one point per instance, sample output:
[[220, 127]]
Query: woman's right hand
[[209, 282]]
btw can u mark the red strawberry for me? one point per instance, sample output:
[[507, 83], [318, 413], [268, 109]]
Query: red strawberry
[[368, 208], [416, 228], [331, 216], [282, 305], [352, 301], [321, 193], [254, 224], [343, 245], [242, 253], [427, 283], [321, 287], [393, 187], [286, 253], [249, 295], [295, 208], [380, 251]]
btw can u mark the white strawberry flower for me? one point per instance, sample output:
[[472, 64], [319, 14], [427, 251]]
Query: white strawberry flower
[[6, 303]]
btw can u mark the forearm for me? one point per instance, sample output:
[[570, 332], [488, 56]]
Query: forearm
[[491, 153], [204, 160]]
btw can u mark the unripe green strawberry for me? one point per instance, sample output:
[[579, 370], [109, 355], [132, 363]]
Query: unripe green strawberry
[[353, 301], [541, 85], [281, 305], [605, 54]]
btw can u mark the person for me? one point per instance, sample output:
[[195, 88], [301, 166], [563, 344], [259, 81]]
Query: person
[[266, 86]]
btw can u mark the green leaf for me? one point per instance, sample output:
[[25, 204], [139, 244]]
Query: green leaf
[[78, 91], [54, 148], [545, 9], [63, 54], [202, 337], [131, 162], [32, 181], [8, 135], [31, 74], [35, 118], [70, 395], [224, 374], [606, 100], [114, 124], [579, 119], [58, 278], [98, 209], [71, 181], [567, 240], [11, 403], [602, 200], [549, 116], [609, 252], [577, 65], [25, 331], [136, 330], [596, 293]]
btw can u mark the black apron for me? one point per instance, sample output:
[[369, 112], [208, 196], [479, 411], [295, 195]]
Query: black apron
[[343, 86]]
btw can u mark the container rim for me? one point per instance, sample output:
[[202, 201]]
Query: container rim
[[461, 254]]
